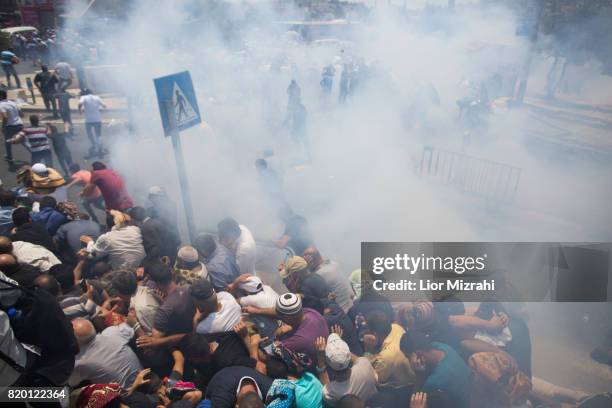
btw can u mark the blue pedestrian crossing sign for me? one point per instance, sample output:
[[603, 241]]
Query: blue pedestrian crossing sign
[[178, 105]]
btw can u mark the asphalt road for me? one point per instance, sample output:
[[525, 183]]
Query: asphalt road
[[78, 145]]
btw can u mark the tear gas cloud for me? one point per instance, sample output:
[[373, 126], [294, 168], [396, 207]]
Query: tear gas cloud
[[361, 184]]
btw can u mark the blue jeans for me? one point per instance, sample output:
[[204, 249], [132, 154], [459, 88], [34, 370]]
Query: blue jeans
[[9, 132], [44, 156], [96, 140], [9, 69]]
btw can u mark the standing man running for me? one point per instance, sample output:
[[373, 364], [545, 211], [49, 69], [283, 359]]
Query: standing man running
[[36, 141], [92, 104], [11, 122], [8, 59], [46, 82]]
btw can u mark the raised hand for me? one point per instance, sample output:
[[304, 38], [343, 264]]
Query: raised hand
[[418, 400], [337, 329]]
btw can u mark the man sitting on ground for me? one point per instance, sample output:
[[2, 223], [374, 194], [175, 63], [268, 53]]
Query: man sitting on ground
[[220, 262], [106, 357], [48, 215], [301, 326], [238, 239], [444, 369], [26, 253], [157, 239], [331, 274], [238, 386], [27, 231], [22, 273], [348, 374], [216, 312], [298, 279], [174, 317], [393, 369], [188, 267], [122, 244], [139, 297]]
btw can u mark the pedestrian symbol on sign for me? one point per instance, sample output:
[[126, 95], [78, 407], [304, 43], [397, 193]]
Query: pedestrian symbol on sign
[[183, 111], [178, 108], [178, 105]]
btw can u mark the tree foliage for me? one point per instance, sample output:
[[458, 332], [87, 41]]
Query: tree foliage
[[578, 30]]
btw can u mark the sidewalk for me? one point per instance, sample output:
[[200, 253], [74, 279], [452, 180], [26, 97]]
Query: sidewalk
[[116, 105], [574, 125]]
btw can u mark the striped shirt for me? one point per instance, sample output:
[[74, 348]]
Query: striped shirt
[[36, 139], [6, 57], [77, 308]]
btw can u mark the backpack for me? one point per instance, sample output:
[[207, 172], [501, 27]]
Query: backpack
[[496, 377]]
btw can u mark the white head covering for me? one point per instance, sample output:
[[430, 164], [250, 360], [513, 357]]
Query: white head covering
[[39, 168]]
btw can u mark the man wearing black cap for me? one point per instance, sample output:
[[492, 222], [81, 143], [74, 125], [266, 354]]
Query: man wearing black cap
[[216, 312]]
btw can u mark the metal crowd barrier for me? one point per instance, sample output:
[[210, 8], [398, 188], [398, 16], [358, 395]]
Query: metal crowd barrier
[[480, 177]]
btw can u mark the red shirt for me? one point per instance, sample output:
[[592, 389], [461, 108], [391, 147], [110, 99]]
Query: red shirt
[[83, 177], [113, 189]]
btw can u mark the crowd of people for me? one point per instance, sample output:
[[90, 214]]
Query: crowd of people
[[104, 297], [40, 139], [37, 46], [125, 313]]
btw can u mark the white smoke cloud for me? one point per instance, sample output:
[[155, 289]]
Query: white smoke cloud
[[361, 184]]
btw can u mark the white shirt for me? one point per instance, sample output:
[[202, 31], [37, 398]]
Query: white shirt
[[122, 245], [246, 252], [264, 299], [12, 111], [362, 383], [107, 358], [64, 70], [91, 105], [145, 304], [34, 255], [225, 319]]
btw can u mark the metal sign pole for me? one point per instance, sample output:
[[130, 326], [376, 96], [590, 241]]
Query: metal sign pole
[[180, 168]]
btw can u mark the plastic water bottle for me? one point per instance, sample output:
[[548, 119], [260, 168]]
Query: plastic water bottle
[[206, 403], [14, 314]]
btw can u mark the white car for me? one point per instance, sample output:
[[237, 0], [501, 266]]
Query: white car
[[11, 31]]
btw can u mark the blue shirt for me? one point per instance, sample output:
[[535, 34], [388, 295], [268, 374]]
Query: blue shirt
[[222, 268], [50, 218], [6, 220], [6, 57], [308, 392], [70, 233], [451, 375]]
